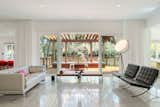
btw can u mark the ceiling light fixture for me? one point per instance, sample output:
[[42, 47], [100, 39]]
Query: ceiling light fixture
[[43, 5], [118, 5]]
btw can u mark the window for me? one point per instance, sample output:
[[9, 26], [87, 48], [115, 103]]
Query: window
[[155, 54], [9, 51], [155, 50]]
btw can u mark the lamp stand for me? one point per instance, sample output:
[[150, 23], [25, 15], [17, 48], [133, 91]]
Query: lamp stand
[[122, 63]]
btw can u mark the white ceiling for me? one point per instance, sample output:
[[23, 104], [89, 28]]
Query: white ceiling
[[76, 9]]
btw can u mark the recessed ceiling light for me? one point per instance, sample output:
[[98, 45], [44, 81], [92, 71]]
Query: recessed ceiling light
[[43, 5], [118, 5]]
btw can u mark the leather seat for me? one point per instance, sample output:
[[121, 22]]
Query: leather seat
[[130, 72], [135, 83]]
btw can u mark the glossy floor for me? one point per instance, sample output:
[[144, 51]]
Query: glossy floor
[[89, 92]]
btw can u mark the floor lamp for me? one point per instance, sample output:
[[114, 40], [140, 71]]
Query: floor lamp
[[121, 47]]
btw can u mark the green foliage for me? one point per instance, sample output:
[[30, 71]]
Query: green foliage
[[110, 50], [45, 50], [155, 50], [95, 53]]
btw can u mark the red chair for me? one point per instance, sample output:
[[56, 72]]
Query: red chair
[[3, 64], [10, 63]]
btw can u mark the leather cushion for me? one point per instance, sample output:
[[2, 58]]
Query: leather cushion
[[147, 75], [131, 70]]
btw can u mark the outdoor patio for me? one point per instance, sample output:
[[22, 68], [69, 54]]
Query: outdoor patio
[[79, 52]]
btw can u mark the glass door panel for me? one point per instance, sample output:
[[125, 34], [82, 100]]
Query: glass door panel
[[109, 55]]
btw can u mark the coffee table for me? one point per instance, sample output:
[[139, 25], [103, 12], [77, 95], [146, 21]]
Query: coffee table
[[75, 73]]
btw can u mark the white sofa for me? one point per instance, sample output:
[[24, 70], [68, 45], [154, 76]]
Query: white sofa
[[12, 82]]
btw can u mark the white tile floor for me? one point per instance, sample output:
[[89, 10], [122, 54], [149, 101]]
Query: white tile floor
[[89, 92]]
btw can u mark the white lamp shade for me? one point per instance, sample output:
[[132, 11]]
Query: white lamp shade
[[121, 46]]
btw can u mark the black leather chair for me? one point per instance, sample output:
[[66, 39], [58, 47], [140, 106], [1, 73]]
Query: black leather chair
[[144, 78], [130, 72]]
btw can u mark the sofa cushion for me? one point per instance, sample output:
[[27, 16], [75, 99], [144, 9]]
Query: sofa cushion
[[23, 72], [21, 68], [7, 71], [35, 69], [30, 76], [33, 78]]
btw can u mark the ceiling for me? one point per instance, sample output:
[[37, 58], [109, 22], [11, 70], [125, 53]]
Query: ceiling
[[77, 9]]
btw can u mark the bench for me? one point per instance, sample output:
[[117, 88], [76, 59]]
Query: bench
[[143, 77]]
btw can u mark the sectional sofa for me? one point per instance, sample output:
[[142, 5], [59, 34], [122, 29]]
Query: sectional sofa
[[13, 81]]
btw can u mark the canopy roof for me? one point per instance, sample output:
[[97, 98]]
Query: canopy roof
[[89, 37]]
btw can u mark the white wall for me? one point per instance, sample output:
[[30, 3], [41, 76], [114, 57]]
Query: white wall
[[24, 43], [133, 30], [109, 27], [28, 33], [154, 24], [153, 20]]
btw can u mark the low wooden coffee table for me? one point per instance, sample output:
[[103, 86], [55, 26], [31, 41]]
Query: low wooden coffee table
[[75, 73]]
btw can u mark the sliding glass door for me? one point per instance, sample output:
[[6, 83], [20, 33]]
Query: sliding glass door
[[89, 52]]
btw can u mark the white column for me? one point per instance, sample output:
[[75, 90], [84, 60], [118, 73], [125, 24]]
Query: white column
[[59, 53], [100, 54], [35, 48], [146, 47], [27, 44], [125, 56], [23, 43]]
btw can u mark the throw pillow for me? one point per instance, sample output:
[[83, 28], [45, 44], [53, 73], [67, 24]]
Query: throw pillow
[[23, 72]]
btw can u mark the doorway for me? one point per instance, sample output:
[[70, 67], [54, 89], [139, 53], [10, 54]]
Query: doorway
[[79, 51]]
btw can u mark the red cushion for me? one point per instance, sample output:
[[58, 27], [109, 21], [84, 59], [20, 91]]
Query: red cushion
[[3, 62], [10, 63]]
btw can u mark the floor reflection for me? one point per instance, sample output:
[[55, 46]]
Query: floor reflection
[[89, 92], [83, 93]]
